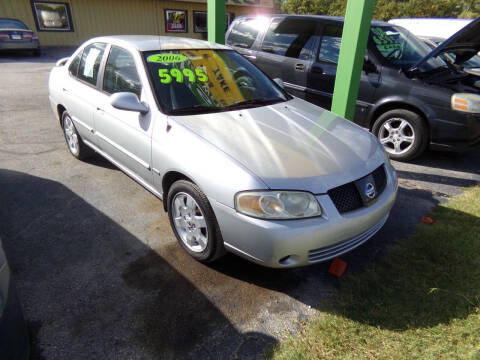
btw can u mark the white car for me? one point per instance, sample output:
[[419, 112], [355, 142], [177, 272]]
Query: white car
[[240, 165]]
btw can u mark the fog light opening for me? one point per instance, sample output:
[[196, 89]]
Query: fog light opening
[[288, 260]]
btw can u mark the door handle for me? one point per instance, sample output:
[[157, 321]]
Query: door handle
[[251, 57], [317, 70], [300, 67], [99, 109], [64, 90]]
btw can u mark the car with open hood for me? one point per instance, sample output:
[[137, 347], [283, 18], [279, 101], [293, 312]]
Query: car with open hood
[[241, 165], [409, 96]]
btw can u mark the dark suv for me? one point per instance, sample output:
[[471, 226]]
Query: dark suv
[[409, 97]]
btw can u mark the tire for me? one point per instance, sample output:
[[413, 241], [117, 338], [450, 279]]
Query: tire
[[74, 142], [194, 223], [403, 134], [37, 52]]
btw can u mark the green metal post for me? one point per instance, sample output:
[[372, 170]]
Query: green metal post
[[352, 52], [216, 21]]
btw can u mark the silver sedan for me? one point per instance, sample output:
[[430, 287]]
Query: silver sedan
[[240, 165]]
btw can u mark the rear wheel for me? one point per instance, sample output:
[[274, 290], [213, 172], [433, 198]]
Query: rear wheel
[[74, 142], [193, 222], [402, 133]]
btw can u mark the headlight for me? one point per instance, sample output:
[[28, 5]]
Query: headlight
[[277, 204], [466, 102]]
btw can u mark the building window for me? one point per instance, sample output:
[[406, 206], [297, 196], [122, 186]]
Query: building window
[[176, 21], [200, 21], [52, 16]]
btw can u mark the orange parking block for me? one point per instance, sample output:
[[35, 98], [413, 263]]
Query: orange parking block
[[427, 220], [337, 267]]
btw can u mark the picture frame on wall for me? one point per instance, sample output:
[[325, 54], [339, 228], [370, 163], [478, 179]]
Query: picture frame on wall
[[52, 16], [200, 21], [176, 21]]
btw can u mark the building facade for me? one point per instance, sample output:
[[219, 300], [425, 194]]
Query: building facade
[[70, 22]]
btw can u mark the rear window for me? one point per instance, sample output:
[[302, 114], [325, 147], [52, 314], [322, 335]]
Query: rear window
[[90, 63], [330, 44], [244, 32], [11, 24], [73, 68]]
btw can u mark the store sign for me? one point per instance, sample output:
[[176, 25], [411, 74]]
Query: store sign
[[175, 20], [256, 3]]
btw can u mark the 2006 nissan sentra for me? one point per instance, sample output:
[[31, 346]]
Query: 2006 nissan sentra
[[241, 165]]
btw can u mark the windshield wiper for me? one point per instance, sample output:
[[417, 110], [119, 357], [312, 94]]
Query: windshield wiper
[[252, 102], [195, 109]]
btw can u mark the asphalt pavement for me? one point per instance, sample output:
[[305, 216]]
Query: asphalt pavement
[[97, 267]]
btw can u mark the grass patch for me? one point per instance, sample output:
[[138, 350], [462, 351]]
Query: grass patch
[[422, 301]]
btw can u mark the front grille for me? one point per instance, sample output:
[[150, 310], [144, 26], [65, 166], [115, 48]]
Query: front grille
[[347, 198], [380, 178]]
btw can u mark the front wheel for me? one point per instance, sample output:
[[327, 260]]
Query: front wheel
[[402, 133], [193, 222]]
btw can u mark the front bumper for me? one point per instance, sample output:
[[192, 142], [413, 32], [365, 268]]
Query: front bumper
[[291, 243], [450, 134]]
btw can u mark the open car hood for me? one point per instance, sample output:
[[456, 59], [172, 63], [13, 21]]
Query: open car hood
[[465, 43]]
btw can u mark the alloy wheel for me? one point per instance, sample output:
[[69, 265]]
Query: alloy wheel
[[397, 136], [190, 222], [71, 135]]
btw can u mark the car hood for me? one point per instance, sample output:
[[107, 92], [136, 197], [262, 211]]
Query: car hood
[[465, 44], [291, 145]]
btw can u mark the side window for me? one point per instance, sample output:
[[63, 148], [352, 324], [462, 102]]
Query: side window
[[121, 73], [330, 44], [291, 38], [244, 33], [90, 63], [73, 68]]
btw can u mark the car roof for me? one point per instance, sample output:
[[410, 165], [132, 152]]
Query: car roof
[[154, 42], [337, 19]]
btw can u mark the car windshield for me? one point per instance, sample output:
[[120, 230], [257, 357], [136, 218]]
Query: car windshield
[[11, 24], [474, 62], [206, 80], [401, 49]]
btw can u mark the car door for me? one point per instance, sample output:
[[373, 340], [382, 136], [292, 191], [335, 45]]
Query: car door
[[80, 88], [287, 52], [124, 135], [321, 79]]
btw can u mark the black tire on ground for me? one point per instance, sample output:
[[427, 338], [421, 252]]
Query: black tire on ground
[[83, 151], [214, 248], [36, 52], [418, 125]]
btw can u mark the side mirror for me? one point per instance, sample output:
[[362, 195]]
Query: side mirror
[[369, 66], [279, 82], [128, 101], [62, 61]]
